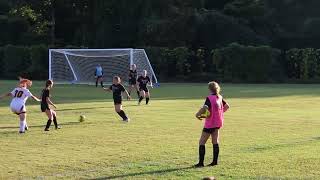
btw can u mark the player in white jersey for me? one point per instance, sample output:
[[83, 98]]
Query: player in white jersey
[[18, 103]]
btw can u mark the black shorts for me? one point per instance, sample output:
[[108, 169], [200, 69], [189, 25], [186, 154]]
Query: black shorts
[[98, 77], [209, 130], [132, 82], [145, 89], [117, 100], [44, 107]]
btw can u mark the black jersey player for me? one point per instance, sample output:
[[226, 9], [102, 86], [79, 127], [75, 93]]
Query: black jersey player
[[133, 79], [117, 89], [45, 106], [143, 81]]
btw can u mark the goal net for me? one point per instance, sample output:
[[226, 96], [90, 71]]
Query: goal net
[[78, 65]]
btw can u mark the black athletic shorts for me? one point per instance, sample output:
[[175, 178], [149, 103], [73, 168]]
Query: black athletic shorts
[[99, 77], [209, 130], [117, 100], [145, 89], [132, 82], [44, 107]]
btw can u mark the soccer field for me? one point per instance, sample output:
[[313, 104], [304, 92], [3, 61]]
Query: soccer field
[[270, 132]]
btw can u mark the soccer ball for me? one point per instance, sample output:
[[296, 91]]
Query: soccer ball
[[82, 118], [205, 114]]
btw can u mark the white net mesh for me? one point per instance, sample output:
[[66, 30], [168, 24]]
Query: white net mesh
[[78, 65]]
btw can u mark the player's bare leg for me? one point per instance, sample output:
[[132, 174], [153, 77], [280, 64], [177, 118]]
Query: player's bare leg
[[137, 89], [142, 95], [23, 121], [202, 148], [147, 97], [50, 118], [215, 144], [122, 114]]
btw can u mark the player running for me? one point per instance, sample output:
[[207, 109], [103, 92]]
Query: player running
[[143, 81], [117, 88], [133, 79], [98, 75], [18, 103], [216, 106], [45, 102]]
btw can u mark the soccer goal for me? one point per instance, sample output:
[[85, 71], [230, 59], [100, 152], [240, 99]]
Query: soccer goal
[[78, 65]]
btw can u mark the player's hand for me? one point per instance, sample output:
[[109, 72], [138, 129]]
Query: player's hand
[[198, 116]]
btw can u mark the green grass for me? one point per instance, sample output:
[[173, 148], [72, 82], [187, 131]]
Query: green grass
[[271, 132]]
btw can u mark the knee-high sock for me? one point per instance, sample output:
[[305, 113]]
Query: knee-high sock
[[140, 99], [55, 121], [202, 152], [101, 83], [96, 82], [147, 100], [48, 123], [22, 125], [215, 153], [138, 94], [123, 115]]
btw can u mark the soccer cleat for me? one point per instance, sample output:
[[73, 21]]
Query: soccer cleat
[[21, 132], [126, 120], [59, 127], [199, 165], [26, 128], [213, 164], [46, 129]]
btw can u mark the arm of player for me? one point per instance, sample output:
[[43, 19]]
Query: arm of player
[[200, 112], [50, 102], [35, 98], [129, 97], [5, 95], [226, 106], [107, 89]]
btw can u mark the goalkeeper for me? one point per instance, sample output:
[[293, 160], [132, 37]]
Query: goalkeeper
[[98, 75]]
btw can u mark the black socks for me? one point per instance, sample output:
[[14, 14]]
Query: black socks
[[138, 94], [147, 100], [48, 125], [215, 154], [123, 115], [202, 152], [55, 121], [140, 99], [101, 84]]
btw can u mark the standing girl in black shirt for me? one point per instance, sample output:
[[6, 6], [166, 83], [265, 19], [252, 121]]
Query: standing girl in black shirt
[[45, 106]]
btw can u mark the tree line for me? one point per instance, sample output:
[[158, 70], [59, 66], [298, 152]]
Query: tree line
[[225, 39]]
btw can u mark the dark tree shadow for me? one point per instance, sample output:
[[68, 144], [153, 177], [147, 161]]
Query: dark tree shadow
[[143, 173], [37, 126], [88, 108]]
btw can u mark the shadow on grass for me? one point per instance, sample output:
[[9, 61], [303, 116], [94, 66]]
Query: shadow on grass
[[144, 173], [89, 108], [37, 126]]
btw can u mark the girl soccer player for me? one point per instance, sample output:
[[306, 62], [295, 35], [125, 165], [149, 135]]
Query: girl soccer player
[[18, 103], [143, 81], [216, 106], [133, 79], [45, 102], [117, 88]]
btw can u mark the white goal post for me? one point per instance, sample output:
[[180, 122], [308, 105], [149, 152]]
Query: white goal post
[[77, 66]]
